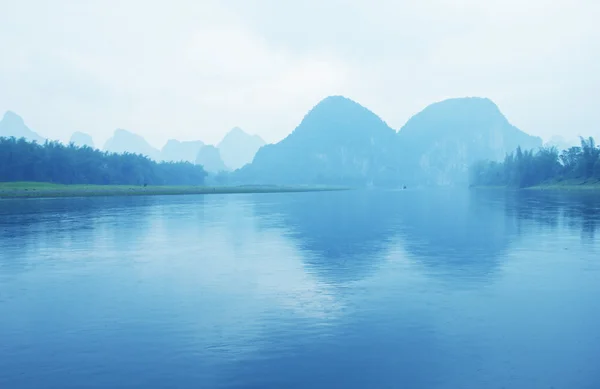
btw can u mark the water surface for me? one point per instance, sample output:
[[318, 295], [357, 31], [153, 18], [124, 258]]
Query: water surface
[[361, 289]]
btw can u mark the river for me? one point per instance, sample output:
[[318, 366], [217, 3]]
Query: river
[[357, 289]]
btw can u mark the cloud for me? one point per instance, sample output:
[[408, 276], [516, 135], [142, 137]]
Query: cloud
[[192, 70], [162, 75], [535, 59]]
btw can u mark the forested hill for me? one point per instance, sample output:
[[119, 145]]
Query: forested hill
[[338, 142], [54, 162], [439, 143], [523, 169]]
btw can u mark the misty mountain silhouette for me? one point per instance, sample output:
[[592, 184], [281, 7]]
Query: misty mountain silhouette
[[561, 143], [12, 125], [124, 141], [239, 148], [439, 143], [338, 142], [341, 142], [176, 151], [82, 139], [210, 159]]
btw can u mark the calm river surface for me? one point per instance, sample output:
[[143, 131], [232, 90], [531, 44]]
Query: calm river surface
[[361, 289]]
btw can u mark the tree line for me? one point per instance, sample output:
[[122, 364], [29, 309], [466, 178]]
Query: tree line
[[526, 168], [55, 162]]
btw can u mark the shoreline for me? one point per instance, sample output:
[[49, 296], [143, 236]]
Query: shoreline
[[21, 190], [545, 187], [585, 187]]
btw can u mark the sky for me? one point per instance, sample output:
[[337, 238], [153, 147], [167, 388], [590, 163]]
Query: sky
[[193, 69]]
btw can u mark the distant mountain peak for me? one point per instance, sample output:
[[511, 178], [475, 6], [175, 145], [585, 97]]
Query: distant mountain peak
[[337, 142], [561, 142], [236, 131], [457, 114], [238, 147], [127, 141], [337, 99], [13, 125], [175, 150], [122, 131], [12, 117], [340, 116], [210, 158], [336, 102], [82, 139], [465, 105], [440, 142], [337, 106], [468, 99]]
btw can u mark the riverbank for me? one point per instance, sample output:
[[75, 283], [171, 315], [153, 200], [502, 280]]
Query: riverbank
[[566, 185], [42, 190]]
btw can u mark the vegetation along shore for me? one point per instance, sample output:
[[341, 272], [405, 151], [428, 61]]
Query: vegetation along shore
[[40, 190], [547, 168]]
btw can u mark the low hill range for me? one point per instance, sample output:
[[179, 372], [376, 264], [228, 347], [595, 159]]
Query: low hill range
[[340, 142], [236, 149]]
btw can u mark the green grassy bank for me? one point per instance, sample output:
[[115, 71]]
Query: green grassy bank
[[42, 189]]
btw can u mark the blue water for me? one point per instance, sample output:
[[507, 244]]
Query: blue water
[[362, 289]]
